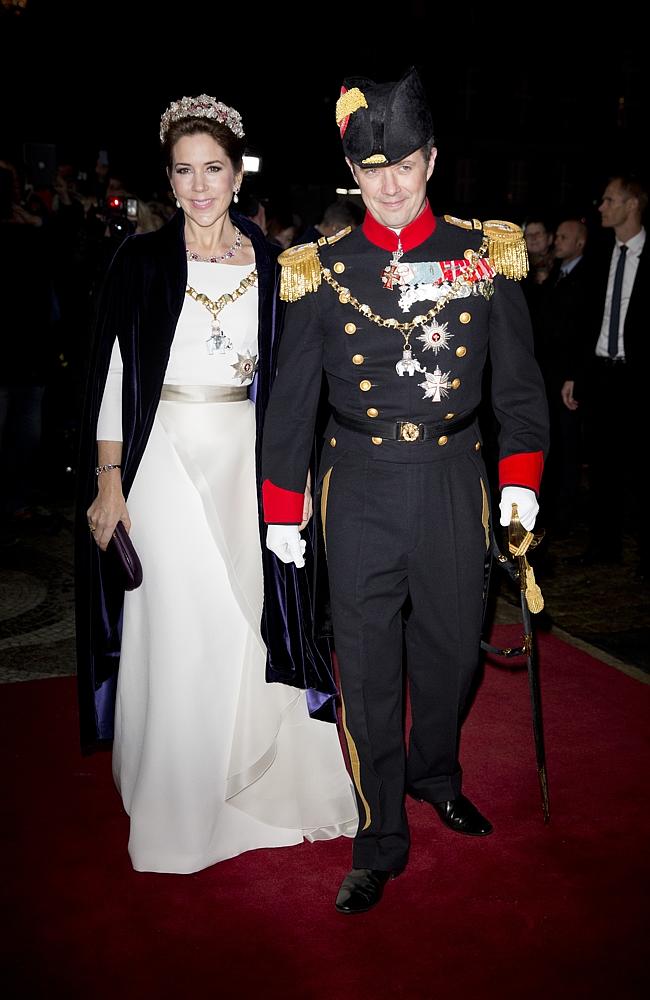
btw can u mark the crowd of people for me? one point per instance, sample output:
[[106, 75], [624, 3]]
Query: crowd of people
[[590, 345]]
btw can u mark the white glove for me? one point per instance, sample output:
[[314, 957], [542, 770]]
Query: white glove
[[526, 505], [285, 541]]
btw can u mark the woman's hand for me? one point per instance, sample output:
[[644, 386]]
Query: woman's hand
[[307, 506], [108, 507]]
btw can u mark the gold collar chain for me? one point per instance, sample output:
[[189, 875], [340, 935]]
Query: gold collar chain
[[406, 329], [215, 307]]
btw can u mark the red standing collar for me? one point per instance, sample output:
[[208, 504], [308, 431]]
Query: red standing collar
[[410, 237]]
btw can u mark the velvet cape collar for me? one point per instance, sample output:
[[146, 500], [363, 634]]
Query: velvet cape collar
[[140, 303]]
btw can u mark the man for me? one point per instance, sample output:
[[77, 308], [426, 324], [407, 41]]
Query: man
[[609, 377], [539, 243], [400, 314], [559, 323], [337, 216]]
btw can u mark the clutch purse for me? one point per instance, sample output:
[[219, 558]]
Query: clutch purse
[[125, 558]]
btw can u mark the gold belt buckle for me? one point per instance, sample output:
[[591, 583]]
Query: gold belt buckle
[[408, 431]]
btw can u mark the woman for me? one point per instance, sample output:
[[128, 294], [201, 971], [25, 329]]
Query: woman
[[210, 759]]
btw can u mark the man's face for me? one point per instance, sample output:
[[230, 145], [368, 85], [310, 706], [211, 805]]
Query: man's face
[[616, 206], [568, 241], [395, 195], [538, 239]]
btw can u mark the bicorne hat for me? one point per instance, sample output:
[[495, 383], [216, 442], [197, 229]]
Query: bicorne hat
[[381, 123]]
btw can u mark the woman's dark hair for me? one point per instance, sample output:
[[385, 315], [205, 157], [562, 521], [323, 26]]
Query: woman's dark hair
[[232, 145]]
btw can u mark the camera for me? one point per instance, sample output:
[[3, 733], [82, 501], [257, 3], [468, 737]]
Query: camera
[[120, 214]]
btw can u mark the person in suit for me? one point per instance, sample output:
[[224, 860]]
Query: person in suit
[[400, 314], [559, 325], [607, 376]]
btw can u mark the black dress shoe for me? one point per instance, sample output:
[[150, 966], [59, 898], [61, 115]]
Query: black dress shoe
[[361, 889], [461, 816]]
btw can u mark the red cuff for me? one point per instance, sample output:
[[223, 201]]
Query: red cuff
[[524, 469], [281, 506]]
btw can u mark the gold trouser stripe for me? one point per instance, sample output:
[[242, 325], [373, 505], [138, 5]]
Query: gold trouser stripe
[[485, 515], [353, 753], [355, 764], [325, 488]]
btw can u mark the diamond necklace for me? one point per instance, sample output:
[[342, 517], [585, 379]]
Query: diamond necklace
[[230, 252]]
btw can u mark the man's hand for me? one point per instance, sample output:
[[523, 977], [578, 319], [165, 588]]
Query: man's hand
[[527, 506], [567, 396], [285, 541]]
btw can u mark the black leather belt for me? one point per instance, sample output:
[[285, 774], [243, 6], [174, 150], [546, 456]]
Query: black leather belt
[[609, 361], [404, 430]]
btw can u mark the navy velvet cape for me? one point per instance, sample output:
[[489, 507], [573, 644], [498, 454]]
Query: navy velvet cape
[[140, 303]]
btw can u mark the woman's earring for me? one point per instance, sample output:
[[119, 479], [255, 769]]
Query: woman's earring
[[236, 196], [178, 204]]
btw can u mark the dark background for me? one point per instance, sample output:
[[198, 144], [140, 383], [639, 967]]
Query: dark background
[[532, 111]]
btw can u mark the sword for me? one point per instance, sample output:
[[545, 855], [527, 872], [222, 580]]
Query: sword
[[520, 542]]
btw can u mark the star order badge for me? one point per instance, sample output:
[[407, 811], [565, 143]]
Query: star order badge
[[435, 336], [245, 366]]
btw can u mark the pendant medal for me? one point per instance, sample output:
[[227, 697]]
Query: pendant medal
[[390, 274], [218, 342], [437, 385], [408, 365]]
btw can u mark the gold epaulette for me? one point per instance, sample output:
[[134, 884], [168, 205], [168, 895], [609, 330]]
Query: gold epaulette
[[301, 267], [463, 223], [506, 248]]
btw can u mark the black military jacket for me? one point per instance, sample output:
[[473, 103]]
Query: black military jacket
[[324, 331]]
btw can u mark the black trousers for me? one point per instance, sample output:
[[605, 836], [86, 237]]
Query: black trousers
[[616, 426], [394, 532]]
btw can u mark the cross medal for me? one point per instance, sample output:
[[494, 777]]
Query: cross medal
[[218, 342], [390, 274]]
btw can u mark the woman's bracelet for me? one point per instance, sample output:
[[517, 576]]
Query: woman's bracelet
[[105, 468]]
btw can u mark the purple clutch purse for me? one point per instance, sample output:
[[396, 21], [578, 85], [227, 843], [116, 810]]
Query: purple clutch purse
[[125, 558]]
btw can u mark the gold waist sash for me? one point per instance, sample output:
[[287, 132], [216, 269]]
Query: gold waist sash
[[204, 393]]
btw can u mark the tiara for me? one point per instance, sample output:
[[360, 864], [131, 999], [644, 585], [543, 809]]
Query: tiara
[[202, 106]]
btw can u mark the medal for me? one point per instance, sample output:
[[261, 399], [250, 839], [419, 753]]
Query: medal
[[435, 336], [437, 385], [408, 365], [218, 342], [245, 366], [390, 274]]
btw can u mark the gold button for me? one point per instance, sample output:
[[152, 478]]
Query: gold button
[[442, 439], [339, 267], [365, 385], [358, 359], [456, 383], [468, 254], [372, 412], [477, 446], [344, 297], [465, 317], [350, 328], [376, 440], [333, 442], [449, 416], [461, 352]]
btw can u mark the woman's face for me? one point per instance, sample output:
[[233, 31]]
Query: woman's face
[[203, 178]]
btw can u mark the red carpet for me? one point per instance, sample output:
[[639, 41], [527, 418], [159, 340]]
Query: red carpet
[[529, 912]]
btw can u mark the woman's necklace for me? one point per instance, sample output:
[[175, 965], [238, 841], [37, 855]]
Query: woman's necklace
[[218, 342], [230, 252]]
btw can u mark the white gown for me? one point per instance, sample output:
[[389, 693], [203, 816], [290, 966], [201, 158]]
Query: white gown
[[210, 760]]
